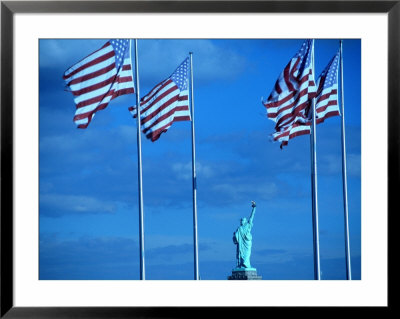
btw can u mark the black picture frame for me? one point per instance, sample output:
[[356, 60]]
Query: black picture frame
[[9, 8]]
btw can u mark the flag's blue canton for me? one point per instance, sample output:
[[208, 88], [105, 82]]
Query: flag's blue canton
[[305, 52], [121, 49], [180, 75], [331, 76]]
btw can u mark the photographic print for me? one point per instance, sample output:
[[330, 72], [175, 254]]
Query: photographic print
[[246, 164]]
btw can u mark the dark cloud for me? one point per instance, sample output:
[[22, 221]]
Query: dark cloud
[[56, 205], [111, 258], [258, 170], [116, 258], [168, 251], [88, 258]]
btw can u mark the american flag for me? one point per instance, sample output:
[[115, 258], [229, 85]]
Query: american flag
[[289, 102], [100, 77], [166, 103], [326, 104]]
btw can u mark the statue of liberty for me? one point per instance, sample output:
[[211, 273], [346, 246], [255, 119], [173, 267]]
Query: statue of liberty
[[242, 238]]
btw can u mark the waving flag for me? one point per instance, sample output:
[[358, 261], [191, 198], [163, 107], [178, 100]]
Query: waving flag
[[327, 94], [166, 103], [100, 77], [289, 101], [326, 103]]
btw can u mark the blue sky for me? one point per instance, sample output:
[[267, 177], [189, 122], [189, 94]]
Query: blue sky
[[88, 189]]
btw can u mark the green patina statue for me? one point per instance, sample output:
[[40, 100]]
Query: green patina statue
[[242, 238]]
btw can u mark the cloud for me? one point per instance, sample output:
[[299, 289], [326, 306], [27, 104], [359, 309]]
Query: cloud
[[113, 258], [222, 182], [229, 191], [167, 178], [253, 146], [354, 164], [100, 167], [212, 61], [88, 258], [171, 254], [55, 205], [184, 170], [117, 258], [66, 52], [231, 166], [88, 140], [332, 164]]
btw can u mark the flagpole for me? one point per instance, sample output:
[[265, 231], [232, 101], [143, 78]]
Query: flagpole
[[196, 250], [344, 172], [313, 143], [139, 148]]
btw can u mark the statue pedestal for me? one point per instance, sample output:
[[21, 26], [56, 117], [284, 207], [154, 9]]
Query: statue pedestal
[[244, 274]]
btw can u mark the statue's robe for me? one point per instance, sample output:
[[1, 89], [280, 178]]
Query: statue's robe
[[243, 240]]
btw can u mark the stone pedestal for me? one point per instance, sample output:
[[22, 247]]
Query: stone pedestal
[[244, 274]]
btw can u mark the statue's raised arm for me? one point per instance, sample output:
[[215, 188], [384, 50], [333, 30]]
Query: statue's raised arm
[[253, 211]]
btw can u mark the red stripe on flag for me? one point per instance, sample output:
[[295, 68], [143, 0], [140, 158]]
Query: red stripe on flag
[[102, 106], [321, 109], [155, 135], [289, 106], [92, 75], [164, 116], [286, 76], [328, 115], [91, 63], [159, 97], [283, 100], [296, 112], [326, 96], [94, 87]]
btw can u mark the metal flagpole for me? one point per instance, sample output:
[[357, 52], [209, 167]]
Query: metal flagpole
[[344, 173], [139, 148], [196, 250], [313, 143]]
